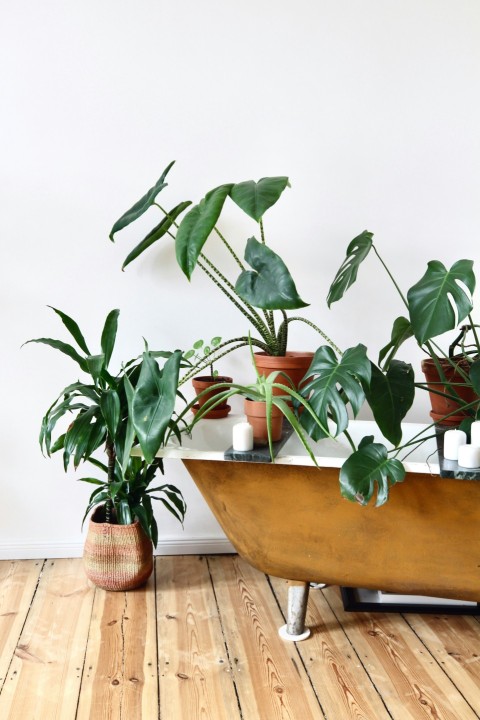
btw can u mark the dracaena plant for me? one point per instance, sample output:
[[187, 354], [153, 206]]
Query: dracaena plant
[[116, 412], [264, 290]]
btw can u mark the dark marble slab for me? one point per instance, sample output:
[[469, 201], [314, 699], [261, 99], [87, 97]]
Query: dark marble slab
[[451, 468], [260, 453]]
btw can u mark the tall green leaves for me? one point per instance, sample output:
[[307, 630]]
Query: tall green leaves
[[367, 468]]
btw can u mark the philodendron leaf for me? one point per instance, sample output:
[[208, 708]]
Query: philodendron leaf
[[357, 251], [254, 198], [390, 396], [142, 205], [475, 376], [158, 231], [110, 407], [401, 331], [367, 467], [430, 299], [73, 329], [197, 225], [335, 382], [109, 334], [269, 285], [154, 401]]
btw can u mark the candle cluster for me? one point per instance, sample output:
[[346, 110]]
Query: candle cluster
[[455, 446]]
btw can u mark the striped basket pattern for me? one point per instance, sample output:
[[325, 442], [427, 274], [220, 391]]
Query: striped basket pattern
[[117, 557]]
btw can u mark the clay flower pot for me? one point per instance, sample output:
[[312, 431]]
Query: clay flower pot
[[293, 364], [442, 406], [117, 557], [200, 384], [257, 417]]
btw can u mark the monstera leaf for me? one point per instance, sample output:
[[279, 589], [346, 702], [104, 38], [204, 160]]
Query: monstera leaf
[[430, 300], [197, 225], [367, 467], [142, 205], [401, 331], [390, 396], [255, 198], [357, 251], [269, 285], [335, 382]]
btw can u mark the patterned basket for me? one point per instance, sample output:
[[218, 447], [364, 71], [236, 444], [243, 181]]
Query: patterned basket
[[117, 557]]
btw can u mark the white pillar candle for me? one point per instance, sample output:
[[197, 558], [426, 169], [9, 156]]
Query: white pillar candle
[[469, 456], [452, 441], [475, 433], [242, 436]]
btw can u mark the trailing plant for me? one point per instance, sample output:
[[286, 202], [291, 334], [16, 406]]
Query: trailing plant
[[134, 407], [261, 290]]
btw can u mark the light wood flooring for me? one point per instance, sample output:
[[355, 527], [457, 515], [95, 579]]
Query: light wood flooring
[[200, 642]]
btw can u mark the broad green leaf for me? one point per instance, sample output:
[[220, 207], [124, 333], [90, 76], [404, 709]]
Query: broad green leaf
[[256, 198], [475, 376], [64, 348], [140, 512], [430, 299], [154, 402], [124, 515], [334, 383], [77, 436], [390, 396], [109, 334], [367, 467], [73, 329], [357, 251], [196, 226], [130, 429], [401, 331], [158, 231], [269, 286], [95, 365], [142, 205], [110, 407]]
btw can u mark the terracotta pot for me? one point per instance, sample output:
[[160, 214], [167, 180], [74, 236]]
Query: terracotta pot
[[293, 364], [257, 417], [442, 406], [117, 557], [203, 383]]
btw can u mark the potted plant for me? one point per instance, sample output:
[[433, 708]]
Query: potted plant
[[134, 407], [197, 353], [264, 292]]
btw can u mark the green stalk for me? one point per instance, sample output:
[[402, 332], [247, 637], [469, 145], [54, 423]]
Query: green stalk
[[242, 342], [475, 334], [315, 327], [110, 450], [262, 233], [391, 277], [230, 249]]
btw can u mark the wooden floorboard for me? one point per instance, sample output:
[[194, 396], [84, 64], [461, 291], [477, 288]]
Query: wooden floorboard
[[200, 642]]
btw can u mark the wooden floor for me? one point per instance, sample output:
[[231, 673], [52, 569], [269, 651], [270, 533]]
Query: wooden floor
[[200, 642]]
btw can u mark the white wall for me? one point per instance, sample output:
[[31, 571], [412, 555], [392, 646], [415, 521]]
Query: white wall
[[371, 108]]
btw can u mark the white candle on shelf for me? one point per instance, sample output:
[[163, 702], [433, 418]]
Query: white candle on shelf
[[469, 456], [242, 436], [475, 433], [452, 441]]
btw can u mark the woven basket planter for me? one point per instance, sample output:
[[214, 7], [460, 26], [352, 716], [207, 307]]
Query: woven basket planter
[[117, 557]]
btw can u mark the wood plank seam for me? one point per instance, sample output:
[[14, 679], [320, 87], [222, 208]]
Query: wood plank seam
[[157, 649], [354, 650], [24, 623], [297, 650], [85, 653], [227, 650], [439, 665]]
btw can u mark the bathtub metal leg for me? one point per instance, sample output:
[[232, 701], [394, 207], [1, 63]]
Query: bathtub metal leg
[[297, 609]]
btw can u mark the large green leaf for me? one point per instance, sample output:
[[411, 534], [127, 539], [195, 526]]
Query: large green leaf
[[110, 407], [197, 225], [95, 364], [390, 396], [401, 331], [142, 205], [130, 429], [154, 401], [269, 286], [109, 334], [430, 299], [65, 348], [357, 251], [78, 435], [367, 467], [255, 198], [158, 231], [73, 329], [334, 383]]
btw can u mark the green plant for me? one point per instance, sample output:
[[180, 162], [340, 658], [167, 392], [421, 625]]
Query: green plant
[[133, 407], [199, 352], [257, 292]]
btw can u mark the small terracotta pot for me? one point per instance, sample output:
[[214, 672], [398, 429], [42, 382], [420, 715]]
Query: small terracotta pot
[[117, 557], [257, 417], [293, 364], [203, 383], [442, 406]]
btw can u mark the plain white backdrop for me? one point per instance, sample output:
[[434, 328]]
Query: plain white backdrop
[[371, 108]]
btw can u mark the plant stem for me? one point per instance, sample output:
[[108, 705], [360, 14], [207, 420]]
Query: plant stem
[[315, 327], [475, 334], [242, 342], [110, 450], [391, 276], [230, 249], [262, 233]]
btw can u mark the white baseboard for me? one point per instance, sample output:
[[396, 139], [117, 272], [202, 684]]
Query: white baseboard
[[192, 546]]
